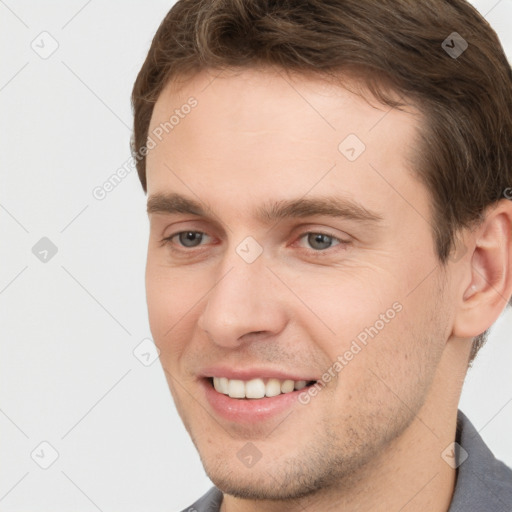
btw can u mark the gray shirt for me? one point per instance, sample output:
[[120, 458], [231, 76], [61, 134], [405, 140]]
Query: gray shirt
[[484, 484]]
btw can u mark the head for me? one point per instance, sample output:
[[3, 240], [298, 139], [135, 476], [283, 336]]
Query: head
[[254, 122]]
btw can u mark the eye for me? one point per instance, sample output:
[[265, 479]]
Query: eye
[[321, 241], [186, 238]]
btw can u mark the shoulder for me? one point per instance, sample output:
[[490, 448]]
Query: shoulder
[[483, 481], [209, 502]]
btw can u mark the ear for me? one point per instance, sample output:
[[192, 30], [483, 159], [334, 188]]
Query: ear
[[487, 285]]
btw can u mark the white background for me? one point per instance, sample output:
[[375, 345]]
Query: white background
[[69, 326]]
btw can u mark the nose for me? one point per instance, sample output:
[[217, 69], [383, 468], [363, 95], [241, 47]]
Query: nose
[[243, 305]]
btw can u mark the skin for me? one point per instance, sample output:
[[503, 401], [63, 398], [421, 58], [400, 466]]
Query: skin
[[372, 438]]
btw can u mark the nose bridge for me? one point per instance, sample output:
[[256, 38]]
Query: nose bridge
[[241, 300]]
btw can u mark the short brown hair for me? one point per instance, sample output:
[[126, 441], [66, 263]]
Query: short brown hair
[[464, 156]]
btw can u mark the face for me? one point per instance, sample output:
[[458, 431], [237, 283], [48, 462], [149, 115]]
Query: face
[[289, 247]]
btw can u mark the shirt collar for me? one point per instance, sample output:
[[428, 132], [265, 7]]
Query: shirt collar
[[483, 482]]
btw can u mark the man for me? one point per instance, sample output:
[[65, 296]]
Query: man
[[330, 240]]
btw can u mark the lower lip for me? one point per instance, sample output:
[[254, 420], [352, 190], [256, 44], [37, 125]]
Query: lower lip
[[248, 410]]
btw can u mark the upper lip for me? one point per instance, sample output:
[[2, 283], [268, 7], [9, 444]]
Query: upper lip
[[253, 373]]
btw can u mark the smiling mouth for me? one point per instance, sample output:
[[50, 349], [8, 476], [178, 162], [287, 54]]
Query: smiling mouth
[[257, 388]]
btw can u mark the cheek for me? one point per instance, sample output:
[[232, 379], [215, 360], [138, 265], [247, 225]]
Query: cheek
[[368, 321], [171, 296], [402, 357], [346, 304]]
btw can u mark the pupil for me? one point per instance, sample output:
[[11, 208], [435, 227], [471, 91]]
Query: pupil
[[323, 240], [189, 236]]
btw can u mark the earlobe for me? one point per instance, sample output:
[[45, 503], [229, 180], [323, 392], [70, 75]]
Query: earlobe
[[490, 287]]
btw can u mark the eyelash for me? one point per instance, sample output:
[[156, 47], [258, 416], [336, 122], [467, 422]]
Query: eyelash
[[315, 252]]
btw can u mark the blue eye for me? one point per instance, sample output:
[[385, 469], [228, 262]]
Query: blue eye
[[320, 241], [189, 238], [186, 238]]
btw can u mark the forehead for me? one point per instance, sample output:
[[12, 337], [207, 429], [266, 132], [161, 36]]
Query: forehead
[[279, 93], [260, 133]]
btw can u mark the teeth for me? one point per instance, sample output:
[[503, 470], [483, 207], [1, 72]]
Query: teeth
[[273, 388], [287, 386], [256, 388], [236, 389], [300, 384], [223, 385]]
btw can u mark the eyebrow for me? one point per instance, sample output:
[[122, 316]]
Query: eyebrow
[[273, 211]]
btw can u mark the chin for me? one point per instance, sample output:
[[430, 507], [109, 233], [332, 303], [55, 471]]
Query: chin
[[260, 488], [283, 478]]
